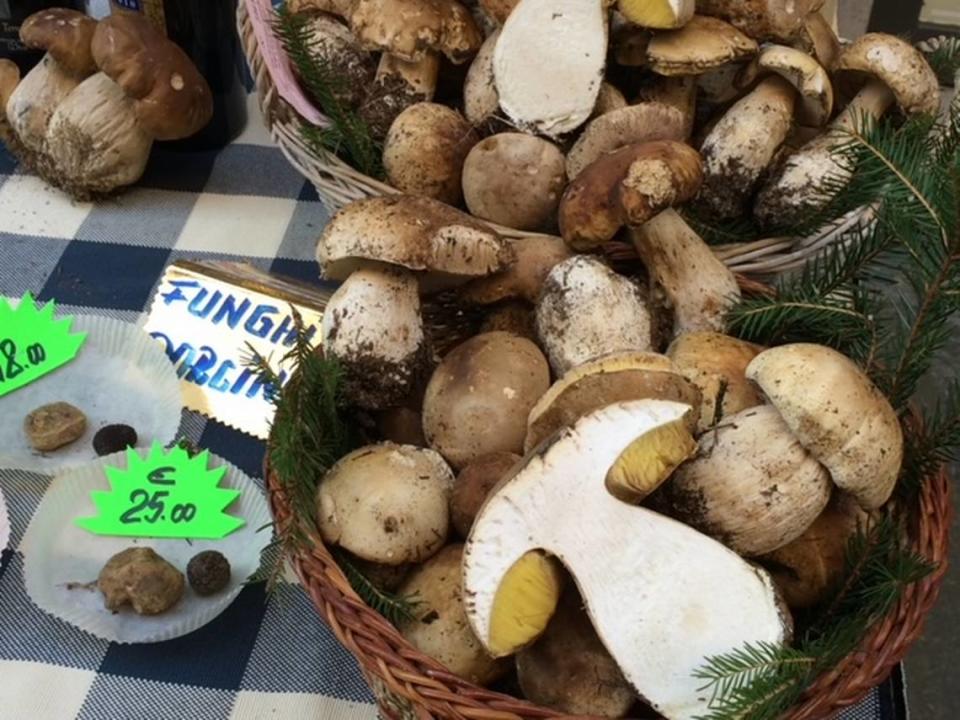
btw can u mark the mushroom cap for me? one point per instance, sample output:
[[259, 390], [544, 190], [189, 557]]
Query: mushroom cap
[[480, 97], [586, 311], [414, 232], [173, 99], [536, 256], [608, 380], [702, 44], [514, 179], [608, 99], [752, 486], [425, 150], [9, 78], [478, 398], [627, 126], [807, 76], [817, 38], [710, 361], [473, 484], [899, 65], [66, 35], [334, 46], [837, 414], [411, 28], [386, 503], [372, 325], [762, 19]]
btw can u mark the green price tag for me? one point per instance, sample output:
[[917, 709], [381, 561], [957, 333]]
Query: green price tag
[[32, 343], [166, 495]]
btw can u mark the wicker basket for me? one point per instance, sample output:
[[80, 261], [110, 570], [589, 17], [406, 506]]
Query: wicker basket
[[411, 685]]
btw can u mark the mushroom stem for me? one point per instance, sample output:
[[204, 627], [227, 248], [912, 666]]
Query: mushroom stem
[[32, 102], [872, 101], [398, 84]]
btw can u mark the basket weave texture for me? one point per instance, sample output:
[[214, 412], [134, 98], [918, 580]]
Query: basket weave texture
[[412, 686]]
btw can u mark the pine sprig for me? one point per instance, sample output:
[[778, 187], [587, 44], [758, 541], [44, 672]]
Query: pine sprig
[[395, 608], [932, 443], [348, 134], [944, 58]]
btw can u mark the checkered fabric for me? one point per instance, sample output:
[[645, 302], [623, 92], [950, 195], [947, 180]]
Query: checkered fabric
[[262, 658]]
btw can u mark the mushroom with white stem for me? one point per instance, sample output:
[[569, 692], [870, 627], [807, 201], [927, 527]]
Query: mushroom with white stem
[[536, 256], [762, 19], [817, 38], [66, 36], [479, 396], [837, 414], [899, 74], [626, 187], [808, 77], [586, 311], [658, 14], [373, 327], [334, 47], [386, 503], [397, 85], [445, 247], [678, 92], [702, 44], [515, 180], [605, 381], [9, 78], [752, 486], [425, 150], [480, 97], [718, 602], [549, 61], [147, 89]]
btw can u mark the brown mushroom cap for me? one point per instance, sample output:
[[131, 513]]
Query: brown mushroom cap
[[762, 19], [66, 35], [899, 65], [9, 78], [701, 44], [536, 256], [173, 99], [472, 486]]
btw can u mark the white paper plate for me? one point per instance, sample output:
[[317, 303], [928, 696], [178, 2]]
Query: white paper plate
[[120, 375], [4, 524], [57, 553]]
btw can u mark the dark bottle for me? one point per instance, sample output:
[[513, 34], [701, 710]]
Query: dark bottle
[[206, 30], [12, 14]]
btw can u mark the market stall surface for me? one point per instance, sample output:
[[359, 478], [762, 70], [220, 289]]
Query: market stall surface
[[265, 656]]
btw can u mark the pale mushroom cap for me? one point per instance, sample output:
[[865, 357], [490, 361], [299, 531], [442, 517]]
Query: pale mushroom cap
[[515, 180], [608, 380], [480, 97], [741, 145], [440, 628], [762, 19], [752, 486], [425, 151], [899, 65], [626, 126], [372, 325], [837, 414], [702, 44], [586, 311], [549, 62], [536, 256], [386, 503], [333, 45], [417, 233], [707, 600], [478, 398], [410, 29], [710, 361], [818, 38], [807, 76]]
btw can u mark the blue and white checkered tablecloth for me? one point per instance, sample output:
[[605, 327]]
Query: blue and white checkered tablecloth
[[262, 658]]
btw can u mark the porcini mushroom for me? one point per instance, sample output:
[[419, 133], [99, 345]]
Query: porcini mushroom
[[445, 246], [678, 92], [480, 97], [514, 179], [334, 47], [900, 74], [817, 38], [439, 627], [9, 78], [807, 76], [386, 503], [536, 256], [837, 414], [608, 380], [473, 484], [752, 486], [627, 186], [425, 151], [685, 274], [512, 316], [398, 85], [608, 99], [762, 19], [548, 63], [702, 44], [586, 310], [372, 326], [147, 89], [720, 602], [479, 396], [660, 14], [717, 365], [65, 35]]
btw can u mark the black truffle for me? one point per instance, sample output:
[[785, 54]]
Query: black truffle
[[114, 438], [208, 572]]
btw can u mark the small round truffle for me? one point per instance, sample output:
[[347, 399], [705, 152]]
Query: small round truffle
[[208, 572], [114, 438]]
